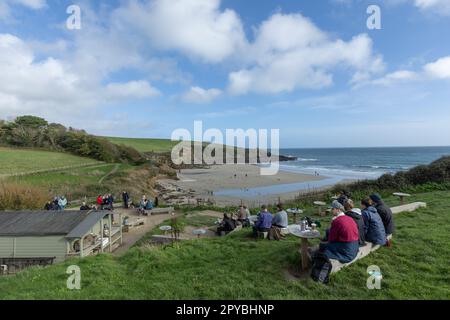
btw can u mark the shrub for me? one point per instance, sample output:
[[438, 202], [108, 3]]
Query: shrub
[[15, 196]]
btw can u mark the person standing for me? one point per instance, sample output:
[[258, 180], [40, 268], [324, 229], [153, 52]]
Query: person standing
[[125, 199]]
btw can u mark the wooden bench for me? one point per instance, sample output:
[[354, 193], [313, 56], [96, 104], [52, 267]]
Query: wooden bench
[[168, 210], [363, 251], [370, 247]]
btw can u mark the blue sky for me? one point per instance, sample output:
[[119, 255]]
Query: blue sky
[[309, 68]]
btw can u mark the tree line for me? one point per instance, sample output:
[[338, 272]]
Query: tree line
[[34, 132]]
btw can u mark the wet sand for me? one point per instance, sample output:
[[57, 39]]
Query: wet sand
[[206, 182]]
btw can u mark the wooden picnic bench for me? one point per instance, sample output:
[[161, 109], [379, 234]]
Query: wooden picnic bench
[[370, 247], [168, 210]]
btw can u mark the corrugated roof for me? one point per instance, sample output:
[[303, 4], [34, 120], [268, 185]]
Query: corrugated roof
[[87, 224], [42, 223]]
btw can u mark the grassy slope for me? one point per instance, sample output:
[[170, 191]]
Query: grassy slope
[[237, 267], [145, 145], [21, 160]]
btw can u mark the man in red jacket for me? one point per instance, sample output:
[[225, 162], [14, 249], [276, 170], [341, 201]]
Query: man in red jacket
[[343, 236]]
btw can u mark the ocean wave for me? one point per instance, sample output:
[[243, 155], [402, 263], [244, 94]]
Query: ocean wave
[[305, 160]]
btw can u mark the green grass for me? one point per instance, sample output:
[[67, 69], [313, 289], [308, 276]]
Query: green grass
[[145, 145], [13, 161], [237, 267]]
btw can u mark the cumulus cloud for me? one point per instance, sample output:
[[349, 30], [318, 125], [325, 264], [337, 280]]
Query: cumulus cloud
[[439, 6], [200, 95], [439, 69], [33, 4], [51, 86], [197, 28], [6, 12], [290, 52]]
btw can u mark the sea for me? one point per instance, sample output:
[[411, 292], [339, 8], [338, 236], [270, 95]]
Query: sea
[[360, 163], [336, 165]]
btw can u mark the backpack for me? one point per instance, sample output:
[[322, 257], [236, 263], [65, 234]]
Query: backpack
[[321, 268]]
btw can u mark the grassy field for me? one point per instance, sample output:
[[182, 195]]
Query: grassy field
[[145, 145], [238, 267], [13, 161]]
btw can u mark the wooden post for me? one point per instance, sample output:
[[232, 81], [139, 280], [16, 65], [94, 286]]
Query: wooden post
[[81, 247], [120, 226], [304, 252], [101, 234], [110, 232]]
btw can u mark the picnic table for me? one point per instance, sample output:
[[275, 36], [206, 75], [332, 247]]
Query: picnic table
[[165, 229], [304, 236], [320, 204], [294, 211], [253, 219], [402, 196], [199, 232]]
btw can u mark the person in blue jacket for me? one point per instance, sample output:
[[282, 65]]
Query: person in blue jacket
[[373, 225]]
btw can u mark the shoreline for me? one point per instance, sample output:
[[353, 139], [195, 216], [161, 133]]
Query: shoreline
[[235, 183]]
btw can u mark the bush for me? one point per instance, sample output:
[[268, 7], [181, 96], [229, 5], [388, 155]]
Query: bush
[[15, 196]]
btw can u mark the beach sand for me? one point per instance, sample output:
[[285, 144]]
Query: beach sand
[[236, 176]]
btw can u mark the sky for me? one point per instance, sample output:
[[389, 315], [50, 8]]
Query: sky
[[312, 69]]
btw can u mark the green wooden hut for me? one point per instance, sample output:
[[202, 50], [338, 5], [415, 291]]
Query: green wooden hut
[[42, 238]]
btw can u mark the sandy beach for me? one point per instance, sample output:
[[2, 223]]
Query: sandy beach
[[209, 183]]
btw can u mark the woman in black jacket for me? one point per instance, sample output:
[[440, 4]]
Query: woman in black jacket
[[356, 215]]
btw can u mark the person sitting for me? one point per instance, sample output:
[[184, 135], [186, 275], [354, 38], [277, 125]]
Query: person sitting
[[143, 204], [242, 216], [49, 206], [355, 214], [343, 196], [85, 207], [227, 225], [385, 213], [373, 225], [343, 237], [280, 219], [62, 203], [99, 201], [264, 222]]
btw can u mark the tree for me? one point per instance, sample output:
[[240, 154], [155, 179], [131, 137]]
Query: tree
[[31, 122]]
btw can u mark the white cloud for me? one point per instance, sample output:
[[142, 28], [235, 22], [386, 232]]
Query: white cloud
[[200, 95], [33, 4], [397, 76], [438, 6], [290, 52], [134, 89], [52, 86], [197, 28], [439, 69]]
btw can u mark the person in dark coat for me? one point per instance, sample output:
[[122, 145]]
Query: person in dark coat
[[227, 224], [156, 202], [343, 196], [385, 213], [350, 211], [125, 199], [373, 225]]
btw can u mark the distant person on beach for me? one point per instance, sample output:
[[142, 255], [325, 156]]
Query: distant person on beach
[[385, 213], [125, 199], [342, 237], [264, 222], [373, 225], [356, 215], [227, 225]]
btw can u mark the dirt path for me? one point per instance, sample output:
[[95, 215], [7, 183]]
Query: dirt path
[[135, 234], [114, 170]]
